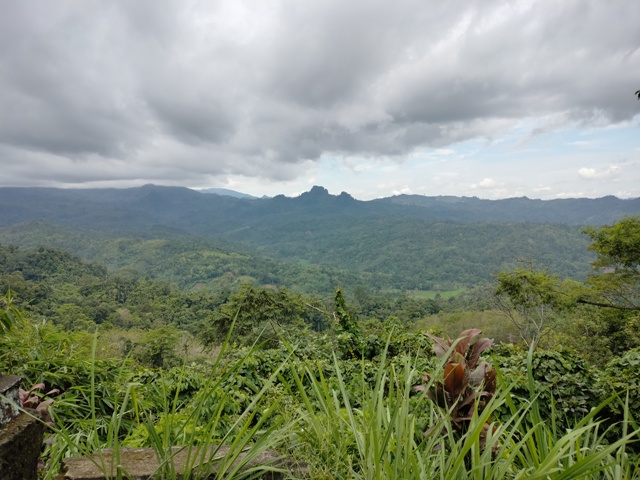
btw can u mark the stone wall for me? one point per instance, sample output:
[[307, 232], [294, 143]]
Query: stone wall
[[20, 435], [142, 464]]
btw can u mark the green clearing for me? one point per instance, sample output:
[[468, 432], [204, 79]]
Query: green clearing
[[433, 294]]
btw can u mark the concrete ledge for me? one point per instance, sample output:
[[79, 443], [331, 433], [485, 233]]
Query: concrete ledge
[[142, 463], [9, 398], [20, 444]]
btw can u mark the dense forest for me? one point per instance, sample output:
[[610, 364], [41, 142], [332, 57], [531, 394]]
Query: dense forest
[[308, 243], [356, 339]]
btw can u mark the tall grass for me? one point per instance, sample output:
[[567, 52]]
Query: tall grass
[[199, 429], [373, 431], [373, 434], [375, 440]]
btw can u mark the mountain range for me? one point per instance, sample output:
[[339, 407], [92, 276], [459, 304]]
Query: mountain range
[[192, 211], [409, 241]]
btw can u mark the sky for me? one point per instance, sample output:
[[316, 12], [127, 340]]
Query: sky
[[490, 98]]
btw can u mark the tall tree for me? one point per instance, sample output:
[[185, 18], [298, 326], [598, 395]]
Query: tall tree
[[532, 300], [256, 314], [615, 282]]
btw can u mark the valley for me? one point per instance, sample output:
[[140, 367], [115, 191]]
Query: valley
[[171, 317]]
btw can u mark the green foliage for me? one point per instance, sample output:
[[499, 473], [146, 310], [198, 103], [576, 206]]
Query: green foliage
[[381, 252], [192, 263], [366, 433], [353, 341], [565, 384], [616, 283], [257, 315], [467, 385], [494, 324], [532, 300], [621, 376], [78, 296], [617, 245], [10, 316], [407, 307], [406, 253], [596, 334], [373, 433], [201, 422], [349, 335], [342, 418], [345, 404], [157, 348]]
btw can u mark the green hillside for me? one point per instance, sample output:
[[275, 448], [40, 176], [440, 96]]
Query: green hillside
[[311, 242]]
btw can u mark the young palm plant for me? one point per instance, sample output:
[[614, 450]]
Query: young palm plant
[[468, 384]]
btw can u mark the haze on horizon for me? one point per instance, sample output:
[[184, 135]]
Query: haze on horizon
[[492, 99]]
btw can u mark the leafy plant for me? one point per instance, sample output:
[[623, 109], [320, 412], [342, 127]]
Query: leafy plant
[[29, 399], [622, 375], [563, 383], [349, 335], [366, 432], [468, 384], [10, 316], [616, 279], [621, 378], [352, 342], [203, 423]]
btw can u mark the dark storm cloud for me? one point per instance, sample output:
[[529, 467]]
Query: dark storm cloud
[[177, 90]]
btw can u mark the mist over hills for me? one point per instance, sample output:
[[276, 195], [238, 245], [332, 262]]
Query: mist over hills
[[226, 192], [402, 242]]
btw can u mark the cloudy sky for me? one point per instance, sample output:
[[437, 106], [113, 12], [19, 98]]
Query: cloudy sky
[[489, 98]]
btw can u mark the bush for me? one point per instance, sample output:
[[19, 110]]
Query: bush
[[622, 376], [568, 388]]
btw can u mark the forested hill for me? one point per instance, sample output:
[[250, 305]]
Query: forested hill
[[177, 207], [403, 242], [570, 211]]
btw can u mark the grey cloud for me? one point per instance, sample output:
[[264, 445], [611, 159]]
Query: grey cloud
[[58, 95], [327, 53], [235, 88], [193, 120], [542, 60]]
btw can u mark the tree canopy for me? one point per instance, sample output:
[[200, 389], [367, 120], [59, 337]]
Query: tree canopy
[[256, 314], [615, 282], [532, 300]]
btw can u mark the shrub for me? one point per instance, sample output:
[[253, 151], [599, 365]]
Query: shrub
[[564, 383], [621, 377]]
